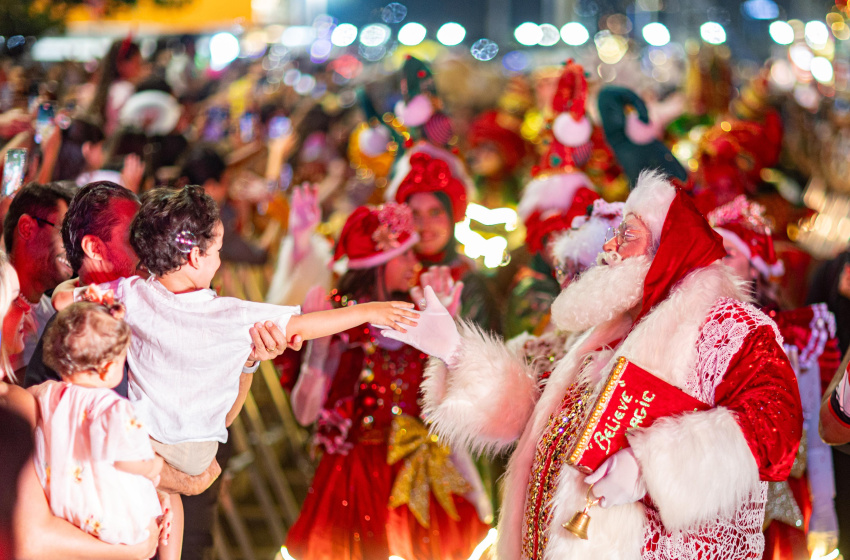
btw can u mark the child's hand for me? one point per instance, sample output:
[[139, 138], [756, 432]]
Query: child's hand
[[156, 468], [391, 314], [94, 295]]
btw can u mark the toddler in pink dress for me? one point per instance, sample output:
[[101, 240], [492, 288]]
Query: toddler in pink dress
[[93, 457]]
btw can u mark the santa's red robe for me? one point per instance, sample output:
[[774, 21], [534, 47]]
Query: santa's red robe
[[706, 472]]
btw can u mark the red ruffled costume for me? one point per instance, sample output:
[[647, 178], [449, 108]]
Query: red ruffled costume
[[347, 515]]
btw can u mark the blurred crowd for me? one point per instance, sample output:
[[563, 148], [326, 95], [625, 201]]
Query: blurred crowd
[[352, 184]]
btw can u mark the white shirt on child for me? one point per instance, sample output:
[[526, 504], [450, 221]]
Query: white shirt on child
[[186, 354]]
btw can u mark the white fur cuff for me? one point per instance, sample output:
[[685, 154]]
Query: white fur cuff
[[697, 467], [485, 399]]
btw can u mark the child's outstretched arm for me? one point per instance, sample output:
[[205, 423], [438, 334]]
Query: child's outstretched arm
[[63, 294], [392, 314]]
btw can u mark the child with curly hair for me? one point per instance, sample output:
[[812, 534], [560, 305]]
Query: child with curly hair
[[188, 344], [92, 455]]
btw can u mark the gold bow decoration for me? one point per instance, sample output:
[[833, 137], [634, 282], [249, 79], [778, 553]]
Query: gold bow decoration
[[427, 468]]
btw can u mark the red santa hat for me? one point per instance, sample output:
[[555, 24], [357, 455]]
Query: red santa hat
[[425, 173], [489, 128], [650, 200], [686, 241], [744, 224], [579, 246], [556, 215], [373, 236], [558, 176]]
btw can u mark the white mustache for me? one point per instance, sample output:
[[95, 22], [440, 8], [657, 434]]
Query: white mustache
[[608, 257]]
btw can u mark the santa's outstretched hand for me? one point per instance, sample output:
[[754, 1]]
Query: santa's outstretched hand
[[435, 333], [618, 480]]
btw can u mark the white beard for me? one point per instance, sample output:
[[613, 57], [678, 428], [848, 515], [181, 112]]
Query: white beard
[[601, 293]]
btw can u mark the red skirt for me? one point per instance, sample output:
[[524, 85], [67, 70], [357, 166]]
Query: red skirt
[[784, 542], [346, 516]]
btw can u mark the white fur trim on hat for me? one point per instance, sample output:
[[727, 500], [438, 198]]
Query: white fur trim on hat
[[415, 112], [402, 168], [553, 192], [650, 200], [571, 132], [767, 270]]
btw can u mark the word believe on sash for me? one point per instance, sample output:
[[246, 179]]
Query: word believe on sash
[[631, 398]]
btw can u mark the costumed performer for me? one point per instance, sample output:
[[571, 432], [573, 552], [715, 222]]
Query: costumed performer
[[802, 508], [692, 486], [383, 486]]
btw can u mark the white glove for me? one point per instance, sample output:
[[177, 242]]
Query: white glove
[[618, 480], [435, 333]]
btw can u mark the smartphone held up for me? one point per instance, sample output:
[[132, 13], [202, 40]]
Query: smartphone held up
[[14, 170]]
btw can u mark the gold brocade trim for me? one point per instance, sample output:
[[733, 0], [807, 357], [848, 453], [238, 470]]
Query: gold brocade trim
[[427, 469], [551, 451], [590, 427]]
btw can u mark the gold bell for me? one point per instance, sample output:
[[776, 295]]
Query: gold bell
[[578, 524]]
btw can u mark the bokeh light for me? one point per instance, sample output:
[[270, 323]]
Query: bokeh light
[[712, 33], [374, 35], [451, 34], [224, 49], [549, 35], [817, 34], [484, 49], [781, 32], [656, 34], [411, 34], [528, 34], [344, 35], [574, 34], [821, 69]]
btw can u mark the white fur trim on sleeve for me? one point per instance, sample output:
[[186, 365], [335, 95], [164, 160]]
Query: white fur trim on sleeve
[[697, 467], [650, 200], [483, 401]]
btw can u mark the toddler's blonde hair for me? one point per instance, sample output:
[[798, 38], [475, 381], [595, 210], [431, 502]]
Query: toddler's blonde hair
[[84, 337]]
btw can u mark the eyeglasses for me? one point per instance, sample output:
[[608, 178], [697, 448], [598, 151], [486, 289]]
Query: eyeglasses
[[623, 234], [43, 221]]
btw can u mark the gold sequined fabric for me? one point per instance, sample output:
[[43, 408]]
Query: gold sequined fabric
[[781, 506], [427, 469], [550, 456]]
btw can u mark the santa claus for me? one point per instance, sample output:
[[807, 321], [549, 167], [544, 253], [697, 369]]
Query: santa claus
[[691, 486]]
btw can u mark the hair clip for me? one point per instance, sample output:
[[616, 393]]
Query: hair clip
[[185, 241]]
